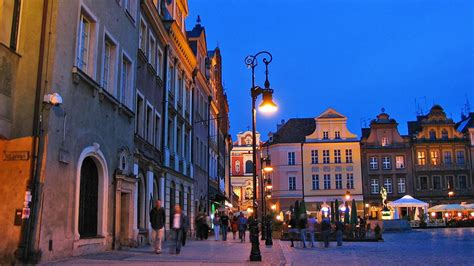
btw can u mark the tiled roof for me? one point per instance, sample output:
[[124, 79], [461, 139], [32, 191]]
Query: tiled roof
[[294, 130]]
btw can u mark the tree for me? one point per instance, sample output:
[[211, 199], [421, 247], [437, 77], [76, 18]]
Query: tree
[[336, 209], [332, 211], [353, 212]]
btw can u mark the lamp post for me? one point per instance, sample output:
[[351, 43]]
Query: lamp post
[[265, 185], [267, 106]]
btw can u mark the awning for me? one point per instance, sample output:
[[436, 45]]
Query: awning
[[407, 201], [449, 208]]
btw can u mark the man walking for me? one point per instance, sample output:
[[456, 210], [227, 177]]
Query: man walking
[[184, 229], [177, 226], [311, 226], [225, 225], [242, 226], [157, 220]]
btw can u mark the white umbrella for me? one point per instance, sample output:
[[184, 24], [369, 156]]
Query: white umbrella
[[448, 208]]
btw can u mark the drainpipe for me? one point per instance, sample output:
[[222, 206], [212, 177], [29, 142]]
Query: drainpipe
[[164, 121], [27, 231], [302, 170]]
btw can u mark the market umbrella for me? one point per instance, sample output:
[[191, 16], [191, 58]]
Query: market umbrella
[[353, 212], [346, 214], [336, 209]]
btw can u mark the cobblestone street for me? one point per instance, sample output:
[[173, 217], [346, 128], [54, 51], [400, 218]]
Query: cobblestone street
[[420, 247]]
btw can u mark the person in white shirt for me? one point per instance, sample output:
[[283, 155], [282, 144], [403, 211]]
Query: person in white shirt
[[176, 226]]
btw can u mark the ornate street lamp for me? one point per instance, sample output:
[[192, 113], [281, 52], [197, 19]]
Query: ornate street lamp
[[266, 106]]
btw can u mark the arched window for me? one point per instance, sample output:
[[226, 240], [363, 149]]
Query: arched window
[[123, 161], [88, 198], [248, 166], [444, 134], [432, 134]]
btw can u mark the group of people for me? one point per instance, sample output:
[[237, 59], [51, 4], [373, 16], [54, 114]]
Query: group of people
[[307, 225], [222, 224], [179, 225]]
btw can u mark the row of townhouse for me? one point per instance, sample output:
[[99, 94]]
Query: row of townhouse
[[105, 106], [319, 160]]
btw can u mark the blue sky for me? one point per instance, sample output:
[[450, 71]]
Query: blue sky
[[356, 56]]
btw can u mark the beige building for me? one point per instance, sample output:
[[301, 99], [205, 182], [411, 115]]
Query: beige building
[[315, 159]]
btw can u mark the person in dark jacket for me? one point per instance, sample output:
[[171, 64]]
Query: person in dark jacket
[[184, 229], [326, 231], [292, 230], [157, 221], [339, 232], [224, 225]]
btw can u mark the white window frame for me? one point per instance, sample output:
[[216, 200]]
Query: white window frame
[[374, 186], [386, 163], [157, 134], [314, 157], [143, 36], [326, 157], [292, 183], [350, 180], [421, 158], [349, 158], [140, 129], [388, 184], [159, 61], [338, 179], [327, 181], [131, 8], [325, 134], [93, 40], [373, 163], [402, 185], [315, 182], [291, 158], [152, 50], [107, 37], [337, 156], [149, 129], [123, 95]]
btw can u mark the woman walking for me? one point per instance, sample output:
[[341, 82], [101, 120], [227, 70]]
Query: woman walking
[[217, 225], [234, 224]]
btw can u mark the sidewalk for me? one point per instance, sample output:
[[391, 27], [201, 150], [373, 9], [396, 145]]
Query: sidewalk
[[207, 252]]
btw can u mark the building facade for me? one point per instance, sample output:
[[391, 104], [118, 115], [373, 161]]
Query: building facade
[[442, 162], [315, 159], [242, 169], [386, 160]]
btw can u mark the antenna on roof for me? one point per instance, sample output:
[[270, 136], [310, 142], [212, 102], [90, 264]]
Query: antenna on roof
[[418, 108], [198, 21]]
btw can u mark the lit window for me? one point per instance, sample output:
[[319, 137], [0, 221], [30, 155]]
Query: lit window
[[385, 141], [434, 157], [400, 162], [421, 158]]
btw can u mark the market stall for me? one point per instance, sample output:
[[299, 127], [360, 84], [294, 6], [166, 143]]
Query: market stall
[[409, 203]]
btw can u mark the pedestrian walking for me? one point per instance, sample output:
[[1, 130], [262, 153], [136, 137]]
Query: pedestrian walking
[[311, 227], [176, 225], [157, 221], [292, 230], [339, 232], [302, 222], [207, 226], [217, 225], [234, 224], [184, 229], [326, 231], [224, 225], [198, 221], [242, 225]]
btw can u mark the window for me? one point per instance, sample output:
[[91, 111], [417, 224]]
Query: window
[[149, 124], [447, 158], [437, 182], [186, 146], [460, 157], [373, 164], [462, 182], [315, 180], [159, 63], [386, 164], [388, 185], [450, 181], [180, 89], [325, 156], [130, 7], [400, 162], [178, 140], [421, 158], [338, 181], [337, 156], [423, 182], [291, 158], [237, 166], [374, 186], [127, 81], [350, 181], [248, 166], [85, 47], [348, 156], [170, 79], [109, 66], [292, 183], [157, 130], [325, 135], [337, 135], [152, 51], [10, 22], [384, 141], [401, 185], [327, 181], [139, 115], [170, 136], [314, 157], [444, 134], [432, 135], [434, 157], [143, 36]]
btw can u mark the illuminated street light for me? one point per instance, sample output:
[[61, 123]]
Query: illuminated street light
[[268, 165], [274, 207], [348, 195]]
